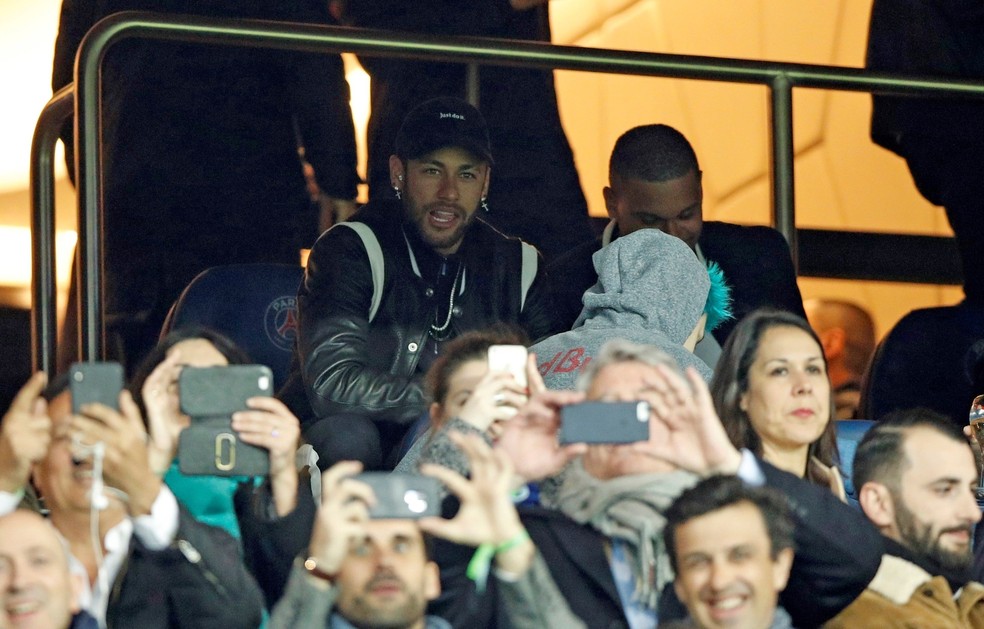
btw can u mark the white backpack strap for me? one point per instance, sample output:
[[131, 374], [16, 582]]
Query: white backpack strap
[[531, 260], [375, 253]]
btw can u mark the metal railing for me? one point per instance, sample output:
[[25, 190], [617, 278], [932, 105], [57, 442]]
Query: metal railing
[[779, 78]]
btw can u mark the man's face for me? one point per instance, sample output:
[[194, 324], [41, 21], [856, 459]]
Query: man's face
[[64, 482], [36, 588], [672, 206], [441, 192], [936, 509], [386, 580], [726, 575], [622, 382]]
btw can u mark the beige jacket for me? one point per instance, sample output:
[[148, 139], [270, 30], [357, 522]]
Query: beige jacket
[[903, 595]]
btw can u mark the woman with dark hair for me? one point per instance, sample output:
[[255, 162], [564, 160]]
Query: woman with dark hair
[[467, 397], [268, 424], [771, 390]]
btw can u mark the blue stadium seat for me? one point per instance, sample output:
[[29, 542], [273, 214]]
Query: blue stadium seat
[[849, 433], [255, 305]]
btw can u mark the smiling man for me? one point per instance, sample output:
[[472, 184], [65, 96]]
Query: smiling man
[[383, 292], [732, 549], [36, 586]]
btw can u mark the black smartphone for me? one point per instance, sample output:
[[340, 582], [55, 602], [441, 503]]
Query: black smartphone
[[210, 395], [93, 382], [604, 422], [221, 391], [402, 496]]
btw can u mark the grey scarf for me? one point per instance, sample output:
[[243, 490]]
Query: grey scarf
[[630, 509]]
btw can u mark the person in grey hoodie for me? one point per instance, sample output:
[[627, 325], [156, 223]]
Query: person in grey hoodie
[[651, 289]]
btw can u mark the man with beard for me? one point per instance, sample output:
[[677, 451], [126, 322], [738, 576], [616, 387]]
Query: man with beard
[[904, 561], [916, 479], [377, 573], [383, 292]]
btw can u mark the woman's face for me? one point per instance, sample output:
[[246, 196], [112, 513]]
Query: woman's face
[[788, 396], [460, 386]]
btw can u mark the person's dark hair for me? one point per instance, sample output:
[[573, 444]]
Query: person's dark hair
[[718, 492], [730, 383], [880, 456], [469, 346], [223, 344], [654, 153]]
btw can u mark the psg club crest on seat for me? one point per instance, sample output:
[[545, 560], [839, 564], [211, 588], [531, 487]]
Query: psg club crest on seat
[[280, 322]]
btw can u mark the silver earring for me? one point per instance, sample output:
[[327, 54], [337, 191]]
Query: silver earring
[[399, 178], [397, 192], [485, 205]]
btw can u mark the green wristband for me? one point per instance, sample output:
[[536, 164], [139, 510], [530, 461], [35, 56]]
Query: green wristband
[[481, 561]]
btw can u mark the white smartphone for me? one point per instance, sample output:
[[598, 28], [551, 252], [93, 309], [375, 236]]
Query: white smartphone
[[511, 359]]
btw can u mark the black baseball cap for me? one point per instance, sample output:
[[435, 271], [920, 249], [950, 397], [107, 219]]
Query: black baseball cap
[[443, 122]]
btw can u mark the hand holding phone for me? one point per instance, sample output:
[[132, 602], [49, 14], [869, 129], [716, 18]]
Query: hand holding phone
[[604, 422], [210, 396], [402, 496], [95, 382]]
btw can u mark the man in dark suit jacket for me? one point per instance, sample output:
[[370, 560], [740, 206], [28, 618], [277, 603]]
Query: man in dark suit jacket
[[655, 181]]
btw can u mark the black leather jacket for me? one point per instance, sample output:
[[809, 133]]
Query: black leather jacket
[[351, 364]]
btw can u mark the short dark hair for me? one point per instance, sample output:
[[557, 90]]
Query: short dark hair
[[880, 456], [655, 152], [730, 383], [718, 492], [473, 345]]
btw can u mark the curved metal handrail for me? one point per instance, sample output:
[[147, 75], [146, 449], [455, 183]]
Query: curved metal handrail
[[780, 78]]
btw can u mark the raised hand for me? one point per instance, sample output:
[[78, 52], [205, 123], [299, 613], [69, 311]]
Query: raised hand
[[342, 516], [25, 434], [684, 428], [126, 463], [164, 418], [487, 514], [495, 399], [530, 438], [270, 424]]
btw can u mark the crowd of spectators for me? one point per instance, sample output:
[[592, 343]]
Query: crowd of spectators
[[663, 453]]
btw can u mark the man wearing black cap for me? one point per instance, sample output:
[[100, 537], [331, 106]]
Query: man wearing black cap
[[383, 292]]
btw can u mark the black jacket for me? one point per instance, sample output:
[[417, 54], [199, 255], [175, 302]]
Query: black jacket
[[351, 364], [755, 261], [198, 581]]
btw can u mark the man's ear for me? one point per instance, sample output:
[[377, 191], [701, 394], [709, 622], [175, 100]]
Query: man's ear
[[434, 411], [832, 342], [611, 202], [780, 568], [877, 504], [488, 181], [432, 581], [397, 172]]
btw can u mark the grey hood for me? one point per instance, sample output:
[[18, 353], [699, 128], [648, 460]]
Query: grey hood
[[650, 280]]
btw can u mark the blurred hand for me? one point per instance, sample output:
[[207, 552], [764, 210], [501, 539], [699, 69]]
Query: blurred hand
[[164, 418], [684, 428], [25, 433], [269, 424], [530, 438], [334, 211], [342, 516], [126, 465], [495, 399], [487, 514]]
